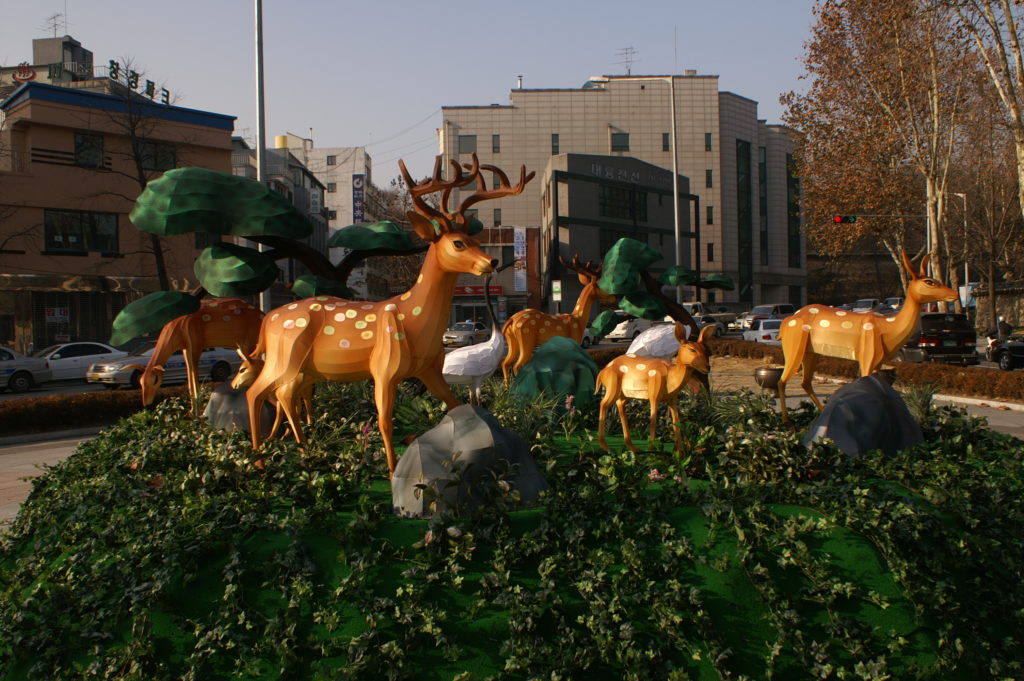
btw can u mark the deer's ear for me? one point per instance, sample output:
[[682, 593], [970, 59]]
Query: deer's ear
[[682, 332], [909, 265], [706, 333], [426, 228], [923, 267]]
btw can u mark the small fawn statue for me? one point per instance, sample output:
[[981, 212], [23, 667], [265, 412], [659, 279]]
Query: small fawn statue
[[652, 379], [528, 329], [329, 338], [869, 339]]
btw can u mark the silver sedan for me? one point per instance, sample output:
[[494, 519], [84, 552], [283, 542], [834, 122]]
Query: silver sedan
[[215, 364], [19, 373]]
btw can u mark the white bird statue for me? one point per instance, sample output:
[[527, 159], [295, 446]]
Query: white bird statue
[[658, 341], [473, 364]]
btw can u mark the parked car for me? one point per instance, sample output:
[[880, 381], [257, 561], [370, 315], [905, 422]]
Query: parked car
[[465, 333], [891, 304], [629, 328], [1009, 354], [764, 331], [215, 364], [71, 361], [708, 320], [941, 337], [19, 373], [866, 305], [768, 311]]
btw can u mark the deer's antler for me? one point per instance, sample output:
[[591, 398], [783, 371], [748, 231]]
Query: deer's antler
[[504, 188], [417, 190], [575, 266]]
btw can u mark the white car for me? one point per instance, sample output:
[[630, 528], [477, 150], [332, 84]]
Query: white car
[[215, 364], [71, 361], [628, 329], [764, 331], [19, 373]]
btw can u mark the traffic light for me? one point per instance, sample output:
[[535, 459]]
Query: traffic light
[[844, 219]]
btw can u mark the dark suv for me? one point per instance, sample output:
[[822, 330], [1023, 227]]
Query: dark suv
[[941, 337]]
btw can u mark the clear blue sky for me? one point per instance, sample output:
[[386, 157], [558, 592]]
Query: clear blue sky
[[377, 73]]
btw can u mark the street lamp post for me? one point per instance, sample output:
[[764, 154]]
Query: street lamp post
[[261, 128]]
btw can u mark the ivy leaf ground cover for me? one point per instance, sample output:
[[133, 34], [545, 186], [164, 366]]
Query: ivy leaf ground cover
[[164, 550]]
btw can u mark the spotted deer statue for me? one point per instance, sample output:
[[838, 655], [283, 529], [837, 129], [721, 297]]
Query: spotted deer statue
[[528, 329], [329, 338], [219, 322], [655, 380], [867, 338]]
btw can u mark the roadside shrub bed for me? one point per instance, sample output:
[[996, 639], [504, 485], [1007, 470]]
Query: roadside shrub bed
[[33, 414], [968, 381], [163, 550]]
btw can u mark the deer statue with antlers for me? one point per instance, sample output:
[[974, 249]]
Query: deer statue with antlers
[[219, 322], [655, 380], [329, 338], [528, 329], [867, 338]]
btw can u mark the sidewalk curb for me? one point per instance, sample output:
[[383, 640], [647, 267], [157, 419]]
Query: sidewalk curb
[[957, 399]]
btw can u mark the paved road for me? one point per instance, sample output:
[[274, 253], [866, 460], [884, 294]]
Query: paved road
[[23, 460]]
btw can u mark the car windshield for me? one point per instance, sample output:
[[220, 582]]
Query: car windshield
[[43, 353], [770, 324], [465, 326], [865, 302], [762, 309], [945, 322]]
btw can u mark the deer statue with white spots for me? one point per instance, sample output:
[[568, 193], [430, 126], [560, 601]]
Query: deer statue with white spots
[[655, 380], [867, 338], [528, 329], [329, 338], [219, 322]]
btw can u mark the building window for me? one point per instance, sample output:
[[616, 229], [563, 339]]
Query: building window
[[666, 142], [467, 144], [497, 217], [332, 160], [711, 215], [707, 141], [88, 150], [622, 203], [711, 251], [157, 156], [792, 212], [332, 187], [709, 178], [496, 144], [495, 181], [608, 238], [332, 214], [620, 141], [73, 230], [554, 143], [762, 200]]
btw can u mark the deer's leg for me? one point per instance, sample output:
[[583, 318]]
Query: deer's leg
[[620, 402], [794, 341], [513, 351], [869, 352], [673, 412], [655, 391], [610, 381], [286, 397], [807, 382], [389, 353], [191, 374], [256, 395]]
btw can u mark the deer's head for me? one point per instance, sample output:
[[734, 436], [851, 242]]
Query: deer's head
[[694, 354], [923, 288], [150, 381], [247, 371], [447, 230], [588, 276]]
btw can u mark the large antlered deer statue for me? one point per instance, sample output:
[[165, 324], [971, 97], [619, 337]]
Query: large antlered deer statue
[[328, 338], [528, 329], [869, 339], [219, 322]]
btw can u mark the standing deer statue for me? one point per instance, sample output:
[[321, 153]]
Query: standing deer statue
[[219, 322], [869, 339], [655, 380], [528, 329], [329, 338]]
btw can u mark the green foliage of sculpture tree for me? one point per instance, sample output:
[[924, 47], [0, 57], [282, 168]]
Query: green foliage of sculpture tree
[[150, 314], [559, 368], [626, 273], [163, 549], [197, 200], [603, 323]]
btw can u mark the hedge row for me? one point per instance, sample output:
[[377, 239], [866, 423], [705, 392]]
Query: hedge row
[[79, 410], [952, 380]]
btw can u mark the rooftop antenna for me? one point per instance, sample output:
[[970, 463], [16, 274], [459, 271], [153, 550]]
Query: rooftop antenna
[[628, 55], [53, 22]]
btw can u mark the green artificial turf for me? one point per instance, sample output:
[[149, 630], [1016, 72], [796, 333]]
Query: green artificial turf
[[161, 550]]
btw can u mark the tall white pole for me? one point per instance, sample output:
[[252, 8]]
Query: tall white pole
[[261, 127], [675, 186]]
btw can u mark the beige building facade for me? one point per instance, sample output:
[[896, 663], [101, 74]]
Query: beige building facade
[[739, 167]]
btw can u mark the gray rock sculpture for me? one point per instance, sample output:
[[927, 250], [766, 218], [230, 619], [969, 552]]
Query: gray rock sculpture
[[457, 461], [228, 410], [865, 415]]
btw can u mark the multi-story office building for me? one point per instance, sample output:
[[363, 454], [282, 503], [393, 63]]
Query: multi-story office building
[[739, 167]]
